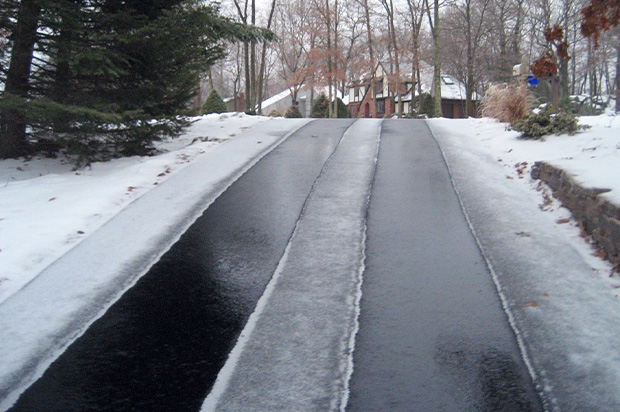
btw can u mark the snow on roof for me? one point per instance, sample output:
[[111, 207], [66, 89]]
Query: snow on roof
[[451, 87], [302, 95], [275, 99]]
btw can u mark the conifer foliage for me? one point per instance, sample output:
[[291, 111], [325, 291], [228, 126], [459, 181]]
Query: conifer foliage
[[104, 78], [319, 107], [214, 104], [293, 113]]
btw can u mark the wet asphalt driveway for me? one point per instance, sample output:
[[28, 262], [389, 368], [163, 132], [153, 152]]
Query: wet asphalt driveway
[[432, 333]]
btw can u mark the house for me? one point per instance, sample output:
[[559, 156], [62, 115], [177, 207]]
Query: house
[[280, 102], [361, 97], [236, 103], [453, 98], [385, 98]]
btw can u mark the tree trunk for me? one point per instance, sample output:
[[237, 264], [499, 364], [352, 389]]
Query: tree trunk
[[13, 142], [371, 55], [470, 62], [399, 109], [618, 80], [329, 60], [261, 74], [253, 77], [437, 62]]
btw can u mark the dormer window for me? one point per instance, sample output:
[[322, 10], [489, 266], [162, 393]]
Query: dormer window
[[447, 79]]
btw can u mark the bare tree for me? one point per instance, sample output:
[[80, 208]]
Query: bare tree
[[434, 25], [416, 15], [396, 78]]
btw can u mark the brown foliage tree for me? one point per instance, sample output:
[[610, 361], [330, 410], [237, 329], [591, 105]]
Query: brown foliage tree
[[599, 15], [602, 15]]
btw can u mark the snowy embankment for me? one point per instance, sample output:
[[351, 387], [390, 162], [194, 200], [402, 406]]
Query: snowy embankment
[[561, 300], [67, 251]]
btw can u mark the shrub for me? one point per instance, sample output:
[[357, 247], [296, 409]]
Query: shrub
[[428, 105], [275, 113], [214, 104], [342, 111], [546, 122], [507, 103], [319, 108], [292, 113]]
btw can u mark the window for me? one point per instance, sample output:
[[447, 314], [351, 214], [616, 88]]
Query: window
[[379, 87], [380, 106], [357, 95], [447, 79]]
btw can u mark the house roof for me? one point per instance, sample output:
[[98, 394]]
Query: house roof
[[451, 88], [301, 95]]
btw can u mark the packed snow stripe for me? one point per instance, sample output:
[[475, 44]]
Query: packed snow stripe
[[46, 207], [40, 320], [294, 354], [559, 298]]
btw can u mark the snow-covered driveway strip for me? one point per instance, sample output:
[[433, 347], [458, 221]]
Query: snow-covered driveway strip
[[39, 321], [565, 316], [295, 352]]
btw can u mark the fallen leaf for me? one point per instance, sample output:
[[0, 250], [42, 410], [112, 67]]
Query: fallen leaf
[[562, 221], [131, 188], [530, 304], [80, 232], [161, 174], [51, 199], [546, 294]]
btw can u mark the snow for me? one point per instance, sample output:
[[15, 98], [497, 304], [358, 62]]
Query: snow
[[62, 260]]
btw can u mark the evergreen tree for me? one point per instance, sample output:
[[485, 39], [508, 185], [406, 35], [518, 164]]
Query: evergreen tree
[[115, 75], [292, 113], [342, 111], [214, 104], [320, 107]]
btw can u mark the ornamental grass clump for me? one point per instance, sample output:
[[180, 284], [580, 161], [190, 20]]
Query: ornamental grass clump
[[507, 103]]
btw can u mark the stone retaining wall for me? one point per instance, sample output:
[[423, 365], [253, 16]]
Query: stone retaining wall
[[599, 217]]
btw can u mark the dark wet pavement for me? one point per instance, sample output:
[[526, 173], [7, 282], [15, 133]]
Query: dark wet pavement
[[433, 335]]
